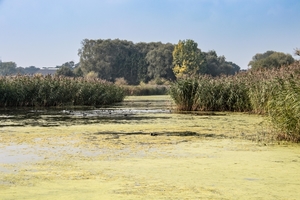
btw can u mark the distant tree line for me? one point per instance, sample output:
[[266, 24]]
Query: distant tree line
[[142, 62], [10, 68], [116, 59]]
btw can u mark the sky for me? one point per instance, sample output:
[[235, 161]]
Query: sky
[[44, 33]]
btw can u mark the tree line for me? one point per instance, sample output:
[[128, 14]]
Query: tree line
[[142, 62]]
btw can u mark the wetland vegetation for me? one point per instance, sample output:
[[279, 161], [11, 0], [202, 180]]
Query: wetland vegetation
[[143, 148], [217, 136], [274, 93], [46, 91]]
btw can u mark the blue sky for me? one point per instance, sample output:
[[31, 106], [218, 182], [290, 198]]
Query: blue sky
[[48, 33]]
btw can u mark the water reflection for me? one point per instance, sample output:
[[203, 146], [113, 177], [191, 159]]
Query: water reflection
[[130, 109]]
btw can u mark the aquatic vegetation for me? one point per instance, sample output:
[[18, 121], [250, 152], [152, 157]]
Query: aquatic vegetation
[[154, 152], [275, 93], [146, 89], [45, 91], [284, 108], [211, 94]]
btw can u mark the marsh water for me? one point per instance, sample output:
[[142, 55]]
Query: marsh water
[[143, 149], [130, 109]]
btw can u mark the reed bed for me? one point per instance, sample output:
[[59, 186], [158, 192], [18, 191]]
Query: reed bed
[[275, 93], [45, 91], [141, 90], [211, 94]]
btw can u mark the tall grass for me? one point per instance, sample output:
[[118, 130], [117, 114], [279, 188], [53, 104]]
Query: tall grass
[[18, 91], [275, 93], [284, 108], [139, 90], [185, 94], [211, 94]]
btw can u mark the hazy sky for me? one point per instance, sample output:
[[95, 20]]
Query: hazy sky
[[49, 32]]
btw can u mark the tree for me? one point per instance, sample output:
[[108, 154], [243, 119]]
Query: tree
[[187, 59], [65, 71], [106, 57], [78, 71], [212, 63], [113, 59], [20, 70], [8, 68], [270, 60], [70, 65], [160, 62], [31, 70], [217, 65]]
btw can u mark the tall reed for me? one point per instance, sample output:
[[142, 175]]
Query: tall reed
[[185, 94], [211, 94], [275, 93], [18, 91], [139, 90]]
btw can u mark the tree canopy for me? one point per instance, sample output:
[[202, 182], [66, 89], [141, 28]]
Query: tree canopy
[[113, 59], [187, 59], [270, 60], [8, 68], [136, 62], [216, 65], [68, 69], [160, 62]]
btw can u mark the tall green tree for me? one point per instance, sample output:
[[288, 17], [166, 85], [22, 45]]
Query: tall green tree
[[109, 58], [217, 65], [65, 71], [69, 64], [270, 60], [187, 59], [112, 59], [8, 68], [160, 62]]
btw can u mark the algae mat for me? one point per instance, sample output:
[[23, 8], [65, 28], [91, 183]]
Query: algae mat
[[149, 155]]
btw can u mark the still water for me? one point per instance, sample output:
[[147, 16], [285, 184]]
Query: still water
[[130, 109]]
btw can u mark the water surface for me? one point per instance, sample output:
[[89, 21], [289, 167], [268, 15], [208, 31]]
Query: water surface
[[143, 149]]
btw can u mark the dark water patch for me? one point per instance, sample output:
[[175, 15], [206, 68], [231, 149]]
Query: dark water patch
[[145, 103], [120, 133], [48, 118], [251, 179], [163, 133], [183, 133], [201, 113]]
